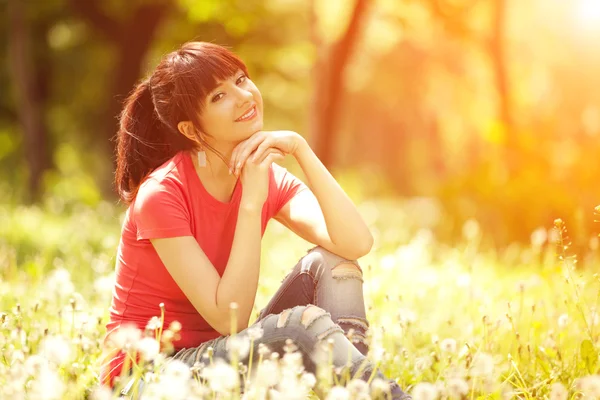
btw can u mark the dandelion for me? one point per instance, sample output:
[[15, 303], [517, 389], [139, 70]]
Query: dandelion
[[125, 337], [563, 320], [101, 393], [338, 393], [425, 391], [423, 363], [60, 281], [148, 348], [379, 387], [238, 345], [56, 349], [457, 388], [267, 373], [255, 332], [482, 365], [178, 370], [309, 380], [47, 386], [589, 386], [558, 392], [448, 345], [153, 324], [221, 376], [358, 388]]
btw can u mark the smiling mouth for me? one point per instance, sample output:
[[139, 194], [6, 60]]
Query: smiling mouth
[[248, 115]]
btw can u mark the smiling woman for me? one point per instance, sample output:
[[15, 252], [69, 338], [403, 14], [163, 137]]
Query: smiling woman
[[191, 238]]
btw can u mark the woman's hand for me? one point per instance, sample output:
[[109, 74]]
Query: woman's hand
[[255, 178], [287, 142]]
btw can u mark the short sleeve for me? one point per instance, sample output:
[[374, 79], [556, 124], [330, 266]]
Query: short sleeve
[[160, 211], [287, 186]]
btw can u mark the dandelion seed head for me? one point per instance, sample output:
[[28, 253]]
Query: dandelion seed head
[[425, 391], [238, 345], [56, 349], [148, 348], [448, 345], [178, 370], [220, 376], [563, 320], [357, 387], [482, 365], [457, 387], [589, 386], [153, 324], [255, 332], [558, 391], [125, 337], [338, 393]]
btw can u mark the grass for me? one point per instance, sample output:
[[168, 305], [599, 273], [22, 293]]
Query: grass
[[460, 321]]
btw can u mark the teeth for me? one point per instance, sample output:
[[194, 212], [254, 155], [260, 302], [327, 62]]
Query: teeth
[[247, 114]]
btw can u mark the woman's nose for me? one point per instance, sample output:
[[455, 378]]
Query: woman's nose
[[244, 96]]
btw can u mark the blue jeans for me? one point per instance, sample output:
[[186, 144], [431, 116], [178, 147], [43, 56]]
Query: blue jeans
[[320, 299]]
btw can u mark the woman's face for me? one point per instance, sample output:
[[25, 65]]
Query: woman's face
[[234, 110]]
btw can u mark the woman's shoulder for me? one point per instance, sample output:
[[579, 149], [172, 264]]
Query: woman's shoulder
[[165, 180]]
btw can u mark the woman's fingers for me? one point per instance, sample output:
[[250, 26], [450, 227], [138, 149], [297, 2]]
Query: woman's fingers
[[269, 156], [243, 150]]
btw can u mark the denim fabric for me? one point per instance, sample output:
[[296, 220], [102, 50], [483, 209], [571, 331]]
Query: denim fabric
[[318, 281]]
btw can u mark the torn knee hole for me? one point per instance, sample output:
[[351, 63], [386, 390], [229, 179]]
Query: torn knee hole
[[346, 271], [283, 318], [311, 314]]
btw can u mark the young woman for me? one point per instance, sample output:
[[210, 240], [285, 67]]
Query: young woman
[[199, 176]]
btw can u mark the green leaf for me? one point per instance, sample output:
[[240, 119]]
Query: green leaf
[[589, 355]]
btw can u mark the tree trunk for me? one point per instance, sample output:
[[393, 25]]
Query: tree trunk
[[502, 81], [328, 74], [30, 94], [131, 39]]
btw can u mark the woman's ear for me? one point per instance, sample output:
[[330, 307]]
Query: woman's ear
[[187, 129]]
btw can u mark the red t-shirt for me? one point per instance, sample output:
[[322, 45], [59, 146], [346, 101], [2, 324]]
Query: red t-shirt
[[172, 202]]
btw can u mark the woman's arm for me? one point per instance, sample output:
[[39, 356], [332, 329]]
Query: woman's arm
[[210, 294], [346, 228]]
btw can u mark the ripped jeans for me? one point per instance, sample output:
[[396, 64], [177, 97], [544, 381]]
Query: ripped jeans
[[322, 298]]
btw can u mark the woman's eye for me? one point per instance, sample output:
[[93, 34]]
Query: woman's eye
[[217, 97], [242, 78]]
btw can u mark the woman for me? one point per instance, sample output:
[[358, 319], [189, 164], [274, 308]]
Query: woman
[[197, 172]]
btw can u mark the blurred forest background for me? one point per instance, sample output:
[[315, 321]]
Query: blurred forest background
[[484, 109]]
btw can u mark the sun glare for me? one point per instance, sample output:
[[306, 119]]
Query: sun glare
[[588, 13]]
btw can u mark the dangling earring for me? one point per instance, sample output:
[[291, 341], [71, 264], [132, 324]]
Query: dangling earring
[[202, 158]]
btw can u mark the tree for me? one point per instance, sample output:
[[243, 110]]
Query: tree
[[328, 81], [131, 38], [31, 82]]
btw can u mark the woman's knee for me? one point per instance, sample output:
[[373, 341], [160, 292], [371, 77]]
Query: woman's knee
[[318, 259]]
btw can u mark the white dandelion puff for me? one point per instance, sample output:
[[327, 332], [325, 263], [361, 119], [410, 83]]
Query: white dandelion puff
[[148, 348], [56, 349], [255, 332], [221, 376], [457, 388], [338, 393], [558, 391], [238, 345], [482, 365], [425, 391], [563, 320], [448, 345]]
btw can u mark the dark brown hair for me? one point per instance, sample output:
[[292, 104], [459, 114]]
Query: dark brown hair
[[174, 92]]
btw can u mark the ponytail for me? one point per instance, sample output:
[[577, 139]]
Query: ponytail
[[143, 142]]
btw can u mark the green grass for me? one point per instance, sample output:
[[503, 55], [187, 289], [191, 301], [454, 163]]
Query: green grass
[[506, 324]]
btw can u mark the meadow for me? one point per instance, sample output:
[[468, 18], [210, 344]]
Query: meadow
[[448, 322]]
